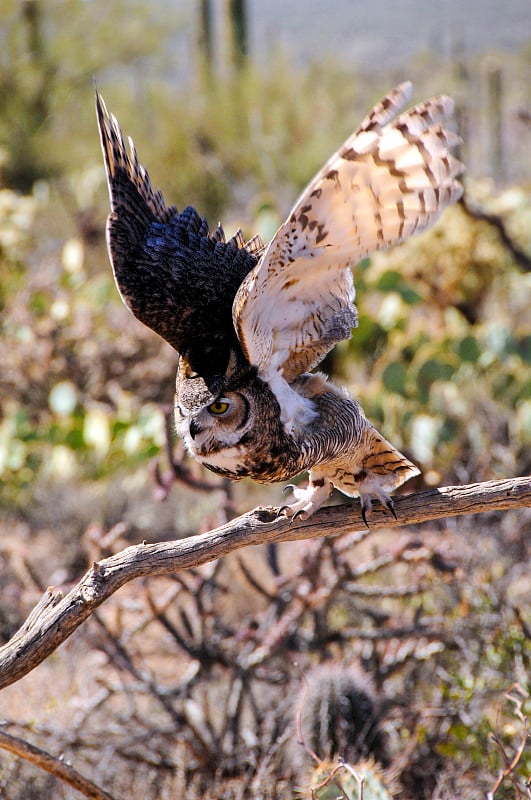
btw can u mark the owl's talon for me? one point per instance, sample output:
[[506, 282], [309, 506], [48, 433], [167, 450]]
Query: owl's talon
[[289, 488], [391, 506], [364, 511]]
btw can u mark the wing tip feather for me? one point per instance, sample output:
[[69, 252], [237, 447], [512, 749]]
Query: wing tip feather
[[116, 157]]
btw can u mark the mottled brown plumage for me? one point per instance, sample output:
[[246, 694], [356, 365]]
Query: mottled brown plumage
[[250, 322]]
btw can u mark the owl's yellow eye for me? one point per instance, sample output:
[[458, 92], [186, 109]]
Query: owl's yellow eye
[[218, 408]]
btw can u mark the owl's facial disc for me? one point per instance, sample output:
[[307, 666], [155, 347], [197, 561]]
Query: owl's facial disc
[[220, 424]]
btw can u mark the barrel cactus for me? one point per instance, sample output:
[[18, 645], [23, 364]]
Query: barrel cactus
[[340, 714]]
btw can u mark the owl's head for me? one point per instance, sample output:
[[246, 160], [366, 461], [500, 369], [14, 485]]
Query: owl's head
[[219, 417]]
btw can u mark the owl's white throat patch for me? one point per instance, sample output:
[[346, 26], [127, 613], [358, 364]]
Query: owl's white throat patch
[[228, 458], [296, 411]]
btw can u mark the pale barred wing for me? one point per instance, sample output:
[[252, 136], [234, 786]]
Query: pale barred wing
[[392, 178]]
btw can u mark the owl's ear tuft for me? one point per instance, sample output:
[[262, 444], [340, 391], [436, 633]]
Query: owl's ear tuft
[[232, 366], [238, 372]]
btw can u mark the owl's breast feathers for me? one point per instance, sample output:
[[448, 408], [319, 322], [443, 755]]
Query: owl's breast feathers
[[173, 273]]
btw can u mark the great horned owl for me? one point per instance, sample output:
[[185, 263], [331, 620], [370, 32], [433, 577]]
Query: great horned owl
[[249, 322]]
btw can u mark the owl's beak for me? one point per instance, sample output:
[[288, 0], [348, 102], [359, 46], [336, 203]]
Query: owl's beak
[[194, 429]]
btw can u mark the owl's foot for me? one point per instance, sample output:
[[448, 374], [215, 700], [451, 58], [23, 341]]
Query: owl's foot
[[307, 501], [376, 470], [367, 497]]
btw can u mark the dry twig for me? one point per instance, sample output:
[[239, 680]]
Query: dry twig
[[52, 764]]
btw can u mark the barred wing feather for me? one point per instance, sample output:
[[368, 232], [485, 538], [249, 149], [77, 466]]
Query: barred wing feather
[[392, 178]]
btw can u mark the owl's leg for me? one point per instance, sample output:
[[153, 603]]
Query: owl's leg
[[308, 500]]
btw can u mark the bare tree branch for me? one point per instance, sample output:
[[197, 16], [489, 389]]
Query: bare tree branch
[[56, 766], [56, 616], [497, 222]]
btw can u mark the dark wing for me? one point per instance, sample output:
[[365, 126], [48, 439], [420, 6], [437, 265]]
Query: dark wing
[[173, 274]]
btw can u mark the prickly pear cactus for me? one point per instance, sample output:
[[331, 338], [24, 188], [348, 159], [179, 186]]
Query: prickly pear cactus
[[338, 781]]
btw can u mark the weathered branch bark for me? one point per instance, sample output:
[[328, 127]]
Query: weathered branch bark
[[56, 766], [56, 616]]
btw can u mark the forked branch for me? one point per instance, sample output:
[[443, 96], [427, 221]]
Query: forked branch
[[56, 616]]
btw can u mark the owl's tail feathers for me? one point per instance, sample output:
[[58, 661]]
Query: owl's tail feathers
[[384, 463]]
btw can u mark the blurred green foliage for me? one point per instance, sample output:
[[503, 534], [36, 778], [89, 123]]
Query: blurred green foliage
[[73, 391], [46, 77], [504, 650]]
